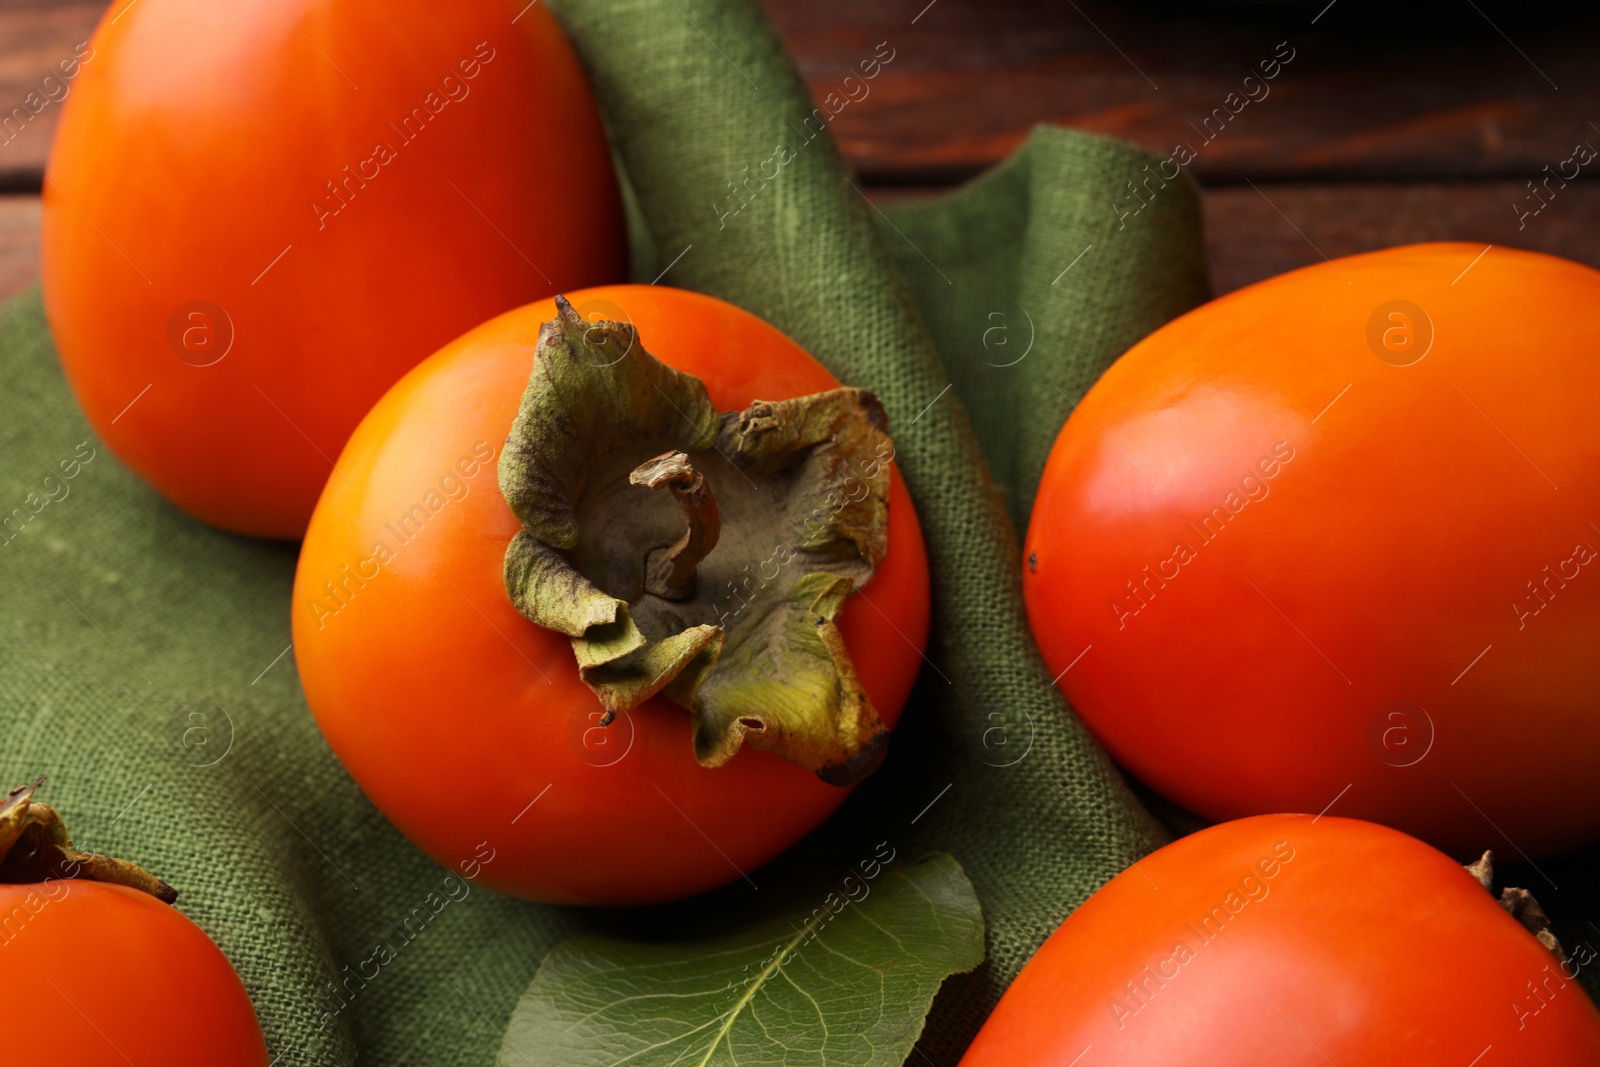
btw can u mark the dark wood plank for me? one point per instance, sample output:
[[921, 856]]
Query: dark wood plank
[[1370, 91], [1247, 239], [1252, 234], [34, 39]]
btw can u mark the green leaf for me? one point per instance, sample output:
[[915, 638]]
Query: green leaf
[[848, 982]]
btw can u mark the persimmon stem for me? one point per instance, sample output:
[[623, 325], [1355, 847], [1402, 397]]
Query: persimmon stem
[[654, 603], [34, 847], [670, 570], [1520, 903]]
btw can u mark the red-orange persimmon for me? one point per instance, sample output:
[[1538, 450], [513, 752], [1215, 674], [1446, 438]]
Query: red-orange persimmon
[[466, 723], [1331, 540], [258, 216], [1298, 942], [116, 976]]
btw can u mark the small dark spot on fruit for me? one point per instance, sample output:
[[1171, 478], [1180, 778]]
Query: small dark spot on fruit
[[1033, 561], [752, 724]]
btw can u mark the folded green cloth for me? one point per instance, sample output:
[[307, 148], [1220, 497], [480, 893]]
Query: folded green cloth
[[143, 664]]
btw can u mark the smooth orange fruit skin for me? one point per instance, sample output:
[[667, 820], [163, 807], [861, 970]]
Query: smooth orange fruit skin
[[194, 145], [104, 976], [1298, 942], [464, 722], [1383, 567]]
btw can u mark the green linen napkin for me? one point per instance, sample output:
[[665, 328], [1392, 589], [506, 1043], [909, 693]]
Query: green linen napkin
[[142, 659]]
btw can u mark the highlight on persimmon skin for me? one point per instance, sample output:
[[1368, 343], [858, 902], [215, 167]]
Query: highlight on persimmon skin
[[467, 724], [233, 277], [1308, 543], [1292, 939]]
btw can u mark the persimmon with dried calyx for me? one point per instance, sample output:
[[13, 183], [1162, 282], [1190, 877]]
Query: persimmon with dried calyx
[[663, 646], [115, 974]]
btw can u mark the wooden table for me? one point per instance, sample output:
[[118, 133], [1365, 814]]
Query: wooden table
[[1385, 127]]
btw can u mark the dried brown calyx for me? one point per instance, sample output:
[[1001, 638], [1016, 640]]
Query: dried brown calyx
[[34, 848], [699, 554], [1520, 903]]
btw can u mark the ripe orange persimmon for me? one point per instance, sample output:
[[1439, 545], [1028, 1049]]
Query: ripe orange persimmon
[[116, 977], [1330, 541], [257, 217], [1299, 942], [112, 973], [467, 724]]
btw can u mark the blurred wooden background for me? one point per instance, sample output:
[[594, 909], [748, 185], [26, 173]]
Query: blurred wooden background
[[1394, 122]]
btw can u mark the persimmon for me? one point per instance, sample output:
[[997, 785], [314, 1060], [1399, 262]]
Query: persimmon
[[656, 645], [257, 217], [1329, 542], [1295, 941], [113, 974]]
